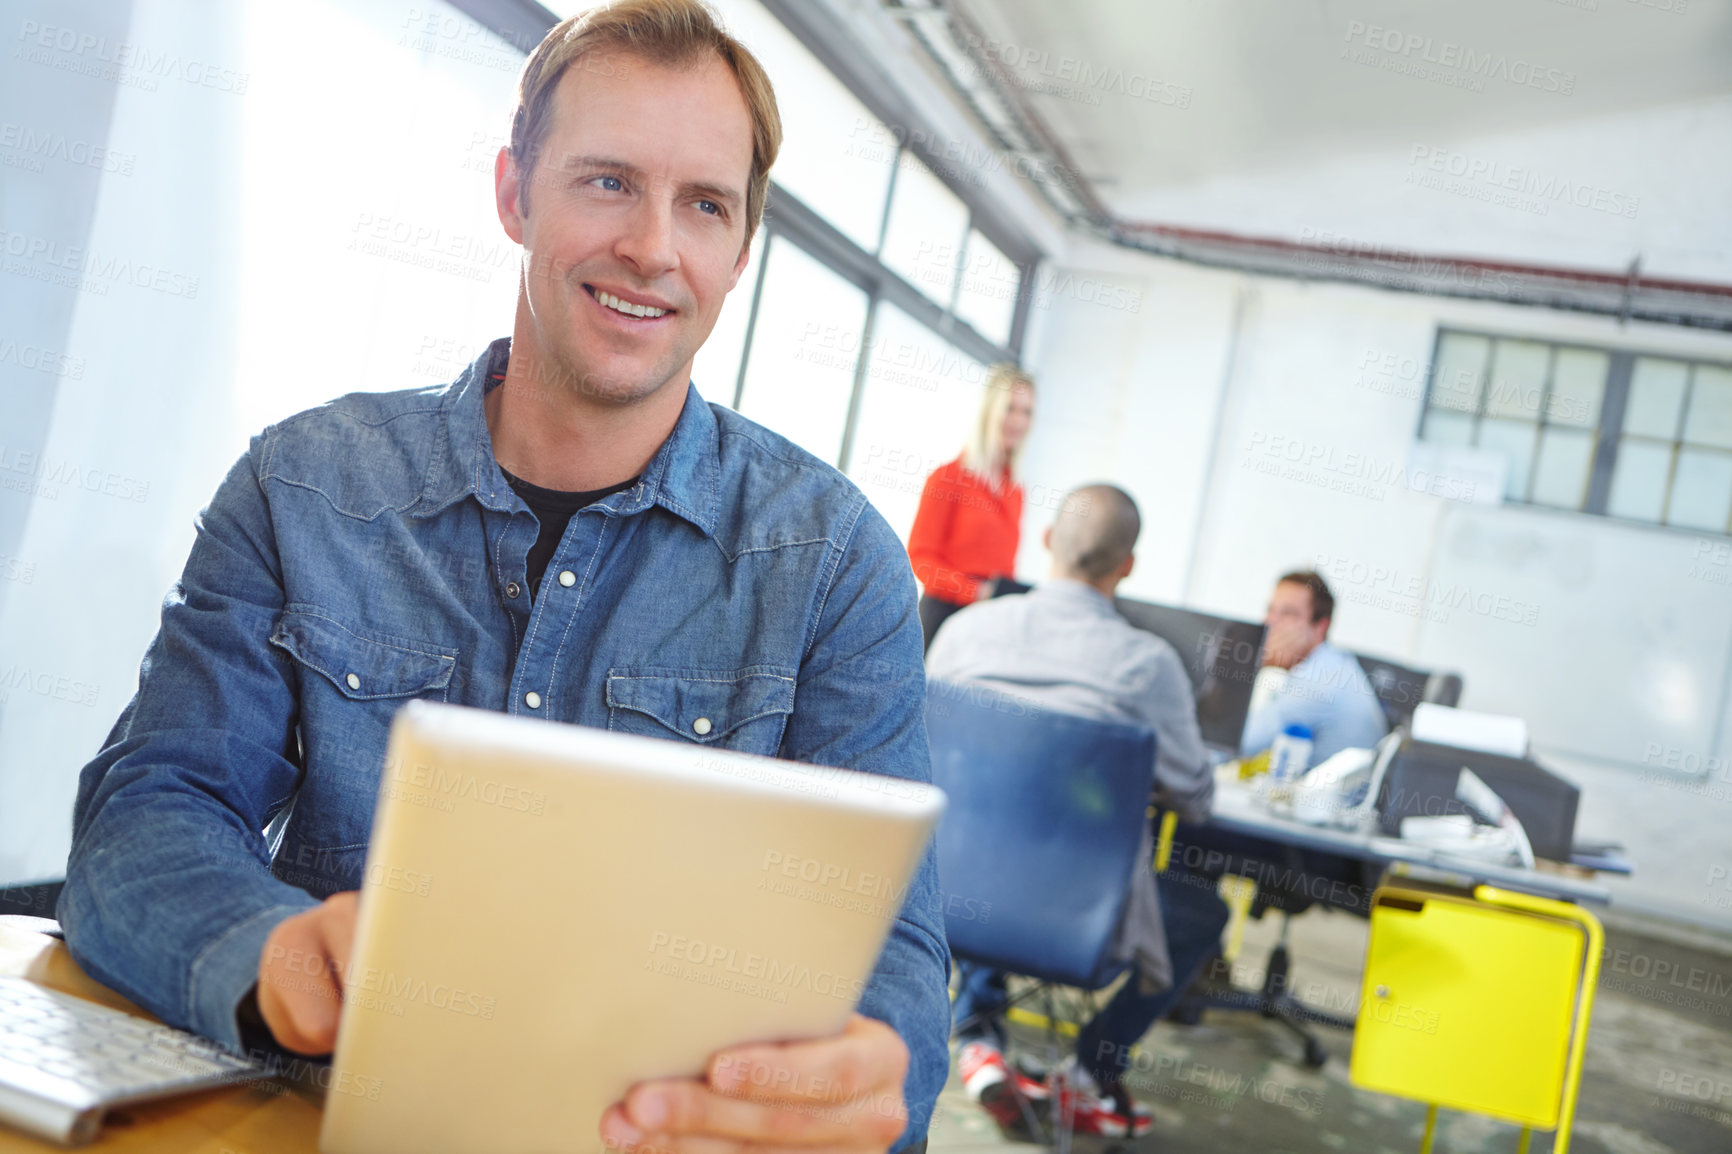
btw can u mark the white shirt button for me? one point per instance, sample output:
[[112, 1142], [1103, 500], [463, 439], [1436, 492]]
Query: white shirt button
[[701, 726], [567, 578], [354, 682], [532, 699]]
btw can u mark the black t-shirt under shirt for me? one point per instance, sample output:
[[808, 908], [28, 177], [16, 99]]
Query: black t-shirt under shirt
[[553, 508]]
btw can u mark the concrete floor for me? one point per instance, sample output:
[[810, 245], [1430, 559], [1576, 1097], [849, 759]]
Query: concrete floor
[[1657, 1077]]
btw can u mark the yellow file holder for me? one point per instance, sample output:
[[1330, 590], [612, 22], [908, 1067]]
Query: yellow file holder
[[1479, 1003]]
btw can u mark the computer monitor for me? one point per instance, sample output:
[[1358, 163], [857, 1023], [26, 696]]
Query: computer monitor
[[1221, 656]]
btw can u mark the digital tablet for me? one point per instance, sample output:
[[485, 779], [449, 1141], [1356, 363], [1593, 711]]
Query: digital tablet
[[551, 913]]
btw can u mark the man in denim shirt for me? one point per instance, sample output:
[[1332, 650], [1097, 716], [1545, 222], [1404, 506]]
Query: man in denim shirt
[[717, 585]]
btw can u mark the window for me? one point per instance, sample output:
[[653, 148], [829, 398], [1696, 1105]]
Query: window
[[920, 395], [399, 272], [924, 234], [1593, 430], [1676, 446], [836, 156], [716, 371], [805, 347], [986, 298]]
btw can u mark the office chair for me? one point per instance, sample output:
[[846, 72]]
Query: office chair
[[36, 899], [1400, 688], [1039, 839], [1306, 874]]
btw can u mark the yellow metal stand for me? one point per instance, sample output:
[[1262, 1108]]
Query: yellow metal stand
[[1164, 847], [1238, 893], [1478, 1002], [1590, 981], [1041, 1021]]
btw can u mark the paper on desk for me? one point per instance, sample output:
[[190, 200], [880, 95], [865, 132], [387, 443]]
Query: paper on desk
[[1490, 831], [1464, 729], [1459, 834]]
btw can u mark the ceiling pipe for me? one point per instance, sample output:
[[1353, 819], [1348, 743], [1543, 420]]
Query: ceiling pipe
[[992, 92]]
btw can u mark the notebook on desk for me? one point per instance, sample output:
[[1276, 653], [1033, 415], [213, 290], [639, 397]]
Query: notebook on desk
[[551, 914]]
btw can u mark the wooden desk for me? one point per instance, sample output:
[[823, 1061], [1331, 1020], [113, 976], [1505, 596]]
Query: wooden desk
[[260, 1118]]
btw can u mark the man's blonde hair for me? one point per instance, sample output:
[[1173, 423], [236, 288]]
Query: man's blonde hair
[[984, 454], [675, 33]]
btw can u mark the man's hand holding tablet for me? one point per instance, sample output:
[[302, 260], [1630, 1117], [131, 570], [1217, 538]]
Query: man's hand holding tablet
[[842, 1093]]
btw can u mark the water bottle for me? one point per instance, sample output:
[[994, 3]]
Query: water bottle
[[1290, 756]]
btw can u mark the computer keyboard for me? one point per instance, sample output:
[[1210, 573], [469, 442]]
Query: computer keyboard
[[65, 1061]]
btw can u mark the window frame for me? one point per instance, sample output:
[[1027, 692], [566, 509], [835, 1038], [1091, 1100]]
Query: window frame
[[1607, 431]]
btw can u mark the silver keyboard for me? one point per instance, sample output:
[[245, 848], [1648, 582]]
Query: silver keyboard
[[64, 1061]]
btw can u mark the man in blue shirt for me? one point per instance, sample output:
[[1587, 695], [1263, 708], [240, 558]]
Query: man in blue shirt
[[1324, 689], [715, 584]]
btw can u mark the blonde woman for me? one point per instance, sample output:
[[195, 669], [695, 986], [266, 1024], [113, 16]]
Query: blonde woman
[[970, 518]]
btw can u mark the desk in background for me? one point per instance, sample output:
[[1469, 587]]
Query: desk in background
[[1237, 810], [1296, 865], [257, 1118]]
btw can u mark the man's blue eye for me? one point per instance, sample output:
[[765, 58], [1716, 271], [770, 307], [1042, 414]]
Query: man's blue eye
[[710, 207], [612, 183]]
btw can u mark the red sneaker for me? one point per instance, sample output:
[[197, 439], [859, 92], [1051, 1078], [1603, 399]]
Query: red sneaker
[[1112, 1114], [1031, 1084], [990, 1081]]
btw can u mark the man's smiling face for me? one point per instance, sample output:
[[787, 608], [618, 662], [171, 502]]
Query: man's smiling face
[[633, 222]]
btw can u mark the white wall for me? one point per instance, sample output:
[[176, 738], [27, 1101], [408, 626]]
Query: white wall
[[105, 488], [1130, 357]]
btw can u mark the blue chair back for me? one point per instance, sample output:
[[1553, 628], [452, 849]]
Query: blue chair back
[[1045, 817]]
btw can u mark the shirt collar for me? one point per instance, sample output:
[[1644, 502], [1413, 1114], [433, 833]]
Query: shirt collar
[[1077, 592], [683, 477], [1321, 654]]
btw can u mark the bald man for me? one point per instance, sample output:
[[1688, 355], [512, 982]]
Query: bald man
[[1065, 647]]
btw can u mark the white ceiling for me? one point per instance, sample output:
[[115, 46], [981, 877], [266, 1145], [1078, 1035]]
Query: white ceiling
[[1284, 131], [1269, 86]]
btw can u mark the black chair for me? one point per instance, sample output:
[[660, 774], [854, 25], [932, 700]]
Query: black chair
[[1291, 881], [1040, 837], [34, 900], [1400, 688]]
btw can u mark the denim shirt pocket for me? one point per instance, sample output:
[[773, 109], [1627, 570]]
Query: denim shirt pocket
[[743, 710], [353, 683], [364, 667]]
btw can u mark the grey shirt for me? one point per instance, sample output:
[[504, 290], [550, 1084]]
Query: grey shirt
[[1064, 646]]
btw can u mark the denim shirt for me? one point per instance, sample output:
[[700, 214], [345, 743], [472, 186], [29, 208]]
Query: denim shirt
[[369, 552]]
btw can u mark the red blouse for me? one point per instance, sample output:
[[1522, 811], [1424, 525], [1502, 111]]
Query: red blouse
[[963, 532]]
